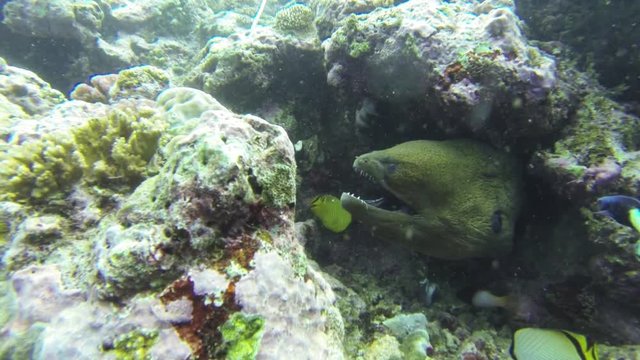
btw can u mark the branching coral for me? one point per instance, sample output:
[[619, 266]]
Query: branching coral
[[39, 169], [117, 148], [111, 151]]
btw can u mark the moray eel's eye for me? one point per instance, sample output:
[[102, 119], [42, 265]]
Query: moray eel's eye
[[496, 221]]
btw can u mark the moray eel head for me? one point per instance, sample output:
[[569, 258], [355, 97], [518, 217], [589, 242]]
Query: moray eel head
[[459, 198]]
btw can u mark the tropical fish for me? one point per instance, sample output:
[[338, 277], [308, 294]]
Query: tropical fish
[[462, 197], [485, 299], [331, 213], [520, 307], [551, 344], [621, 208]]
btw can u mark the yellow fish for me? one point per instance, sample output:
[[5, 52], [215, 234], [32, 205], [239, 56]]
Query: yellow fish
[[331, 213], [550, 344]]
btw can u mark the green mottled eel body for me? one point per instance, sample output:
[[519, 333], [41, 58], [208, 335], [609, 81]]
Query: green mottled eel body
[[465, 197]]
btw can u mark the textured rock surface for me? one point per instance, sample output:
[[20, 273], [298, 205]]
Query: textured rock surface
[[70, 40], [597, 154], [470, 65], [22, 91], [277, 75], [78, 20], [610, 47], [296, 311]]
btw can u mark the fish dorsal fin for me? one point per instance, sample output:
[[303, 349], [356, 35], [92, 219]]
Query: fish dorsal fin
[[575, 342], [512, 346]]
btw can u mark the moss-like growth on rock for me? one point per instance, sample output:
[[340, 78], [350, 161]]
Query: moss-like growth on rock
[[38, 170], [242, 335], [142, 81], [134, 345], [279, 185], [349, 35], [111, 152], [116, 149], [587, 140]]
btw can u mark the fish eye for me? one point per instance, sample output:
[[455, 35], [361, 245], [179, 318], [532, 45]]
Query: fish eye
[[391, 167]]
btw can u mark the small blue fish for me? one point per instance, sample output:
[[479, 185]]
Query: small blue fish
[[621, 208]]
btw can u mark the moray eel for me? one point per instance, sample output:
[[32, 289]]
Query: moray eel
[[464, 197]]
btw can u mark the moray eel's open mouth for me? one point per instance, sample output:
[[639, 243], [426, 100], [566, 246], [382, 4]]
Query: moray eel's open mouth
[[378, 193]]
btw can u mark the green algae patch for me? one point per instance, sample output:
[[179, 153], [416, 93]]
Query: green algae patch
[[278, 184], [599, 131], [241, 336], [349, 37], [134, 345]]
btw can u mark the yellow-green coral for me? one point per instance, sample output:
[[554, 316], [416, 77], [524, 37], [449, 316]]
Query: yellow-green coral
[[110, 151], [39, 169], [294, 18], [134, 345], [117, 148]]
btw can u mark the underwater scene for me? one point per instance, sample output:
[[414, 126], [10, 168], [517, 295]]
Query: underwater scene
[[321, 179]]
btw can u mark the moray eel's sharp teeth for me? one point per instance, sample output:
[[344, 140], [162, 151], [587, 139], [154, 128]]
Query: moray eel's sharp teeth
[[377, 202], [364, 174]]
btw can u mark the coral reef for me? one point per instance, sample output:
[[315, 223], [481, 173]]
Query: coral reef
[[117, 148], [596, 154], [134, 345], [110, 151], [39, 170], [294, 18], [140, 220], [183, 231], [411, 332], [84, 143], [26, 91], [245, 73], [79, 21], [331, 12], [144, 81], [468, 66], [70, 40], [295, 315]]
